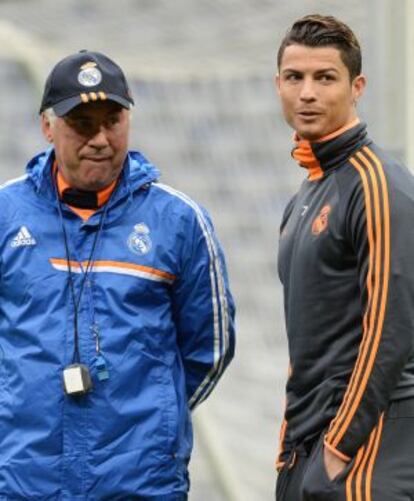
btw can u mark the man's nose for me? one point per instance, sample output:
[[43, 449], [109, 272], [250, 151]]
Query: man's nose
[[99, 138], [308, 90]]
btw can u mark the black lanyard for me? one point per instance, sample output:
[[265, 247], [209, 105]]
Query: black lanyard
[[89, 265]]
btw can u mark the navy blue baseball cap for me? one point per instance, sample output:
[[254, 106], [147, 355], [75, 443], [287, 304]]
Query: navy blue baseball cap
[[85, 77]]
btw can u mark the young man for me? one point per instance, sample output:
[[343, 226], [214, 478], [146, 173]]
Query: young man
[[116, 317], [345, 261]]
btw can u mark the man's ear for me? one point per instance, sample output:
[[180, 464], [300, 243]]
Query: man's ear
[[46, 126], [358, 86]]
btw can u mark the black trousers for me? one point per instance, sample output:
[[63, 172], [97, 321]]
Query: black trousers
[[382, 470]]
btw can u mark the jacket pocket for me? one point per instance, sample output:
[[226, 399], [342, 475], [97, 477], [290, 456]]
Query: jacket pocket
[[341, 477], [317, 486]]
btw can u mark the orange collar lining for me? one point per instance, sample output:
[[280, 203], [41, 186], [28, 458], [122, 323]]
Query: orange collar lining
[[84, 214], [305, 156]]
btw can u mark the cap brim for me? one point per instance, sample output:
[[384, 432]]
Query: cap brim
[[63, 107]]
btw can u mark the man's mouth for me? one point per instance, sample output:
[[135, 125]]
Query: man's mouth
[[309, 114]]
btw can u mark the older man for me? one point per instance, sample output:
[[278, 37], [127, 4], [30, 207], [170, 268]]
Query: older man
[[116, 317]]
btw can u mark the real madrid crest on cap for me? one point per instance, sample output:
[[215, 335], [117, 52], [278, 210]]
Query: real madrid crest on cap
[[89, 76], [85, 77], [139, 240]]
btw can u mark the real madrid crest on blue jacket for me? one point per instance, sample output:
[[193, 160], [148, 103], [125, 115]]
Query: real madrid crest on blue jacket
[[140, 241], [157, 292]]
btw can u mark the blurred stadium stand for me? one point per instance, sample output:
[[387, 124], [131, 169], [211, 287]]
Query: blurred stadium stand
[[207, 115]]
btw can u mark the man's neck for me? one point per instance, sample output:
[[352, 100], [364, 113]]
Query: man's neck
[[354, 121]]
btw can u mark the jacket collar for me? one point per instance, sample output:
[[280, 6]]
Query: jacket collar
[[329, 152]]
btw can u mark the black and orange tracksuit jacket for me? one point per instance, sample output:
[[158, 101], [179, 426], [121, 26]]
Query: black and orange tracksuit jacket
[[346, 261]]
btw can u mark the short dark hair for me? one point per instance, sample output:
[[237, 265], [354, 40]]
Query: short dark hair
[[316, 30]]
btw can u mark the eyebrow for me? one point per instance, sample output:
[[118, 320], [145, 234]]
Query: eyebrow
[[325, 70], [322, 70]]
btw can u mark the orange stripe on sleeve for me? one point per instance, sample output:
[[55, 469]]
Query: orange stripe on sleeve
[[364, 345], [380, 295], [363, 467], [360, 471], [356, 376], [348, 485], [381, 258], [370, 469]]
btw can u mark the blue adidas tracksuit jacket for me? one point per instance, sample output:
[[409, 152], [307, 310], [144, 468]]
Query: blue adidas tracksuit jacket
[[158, 301]]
